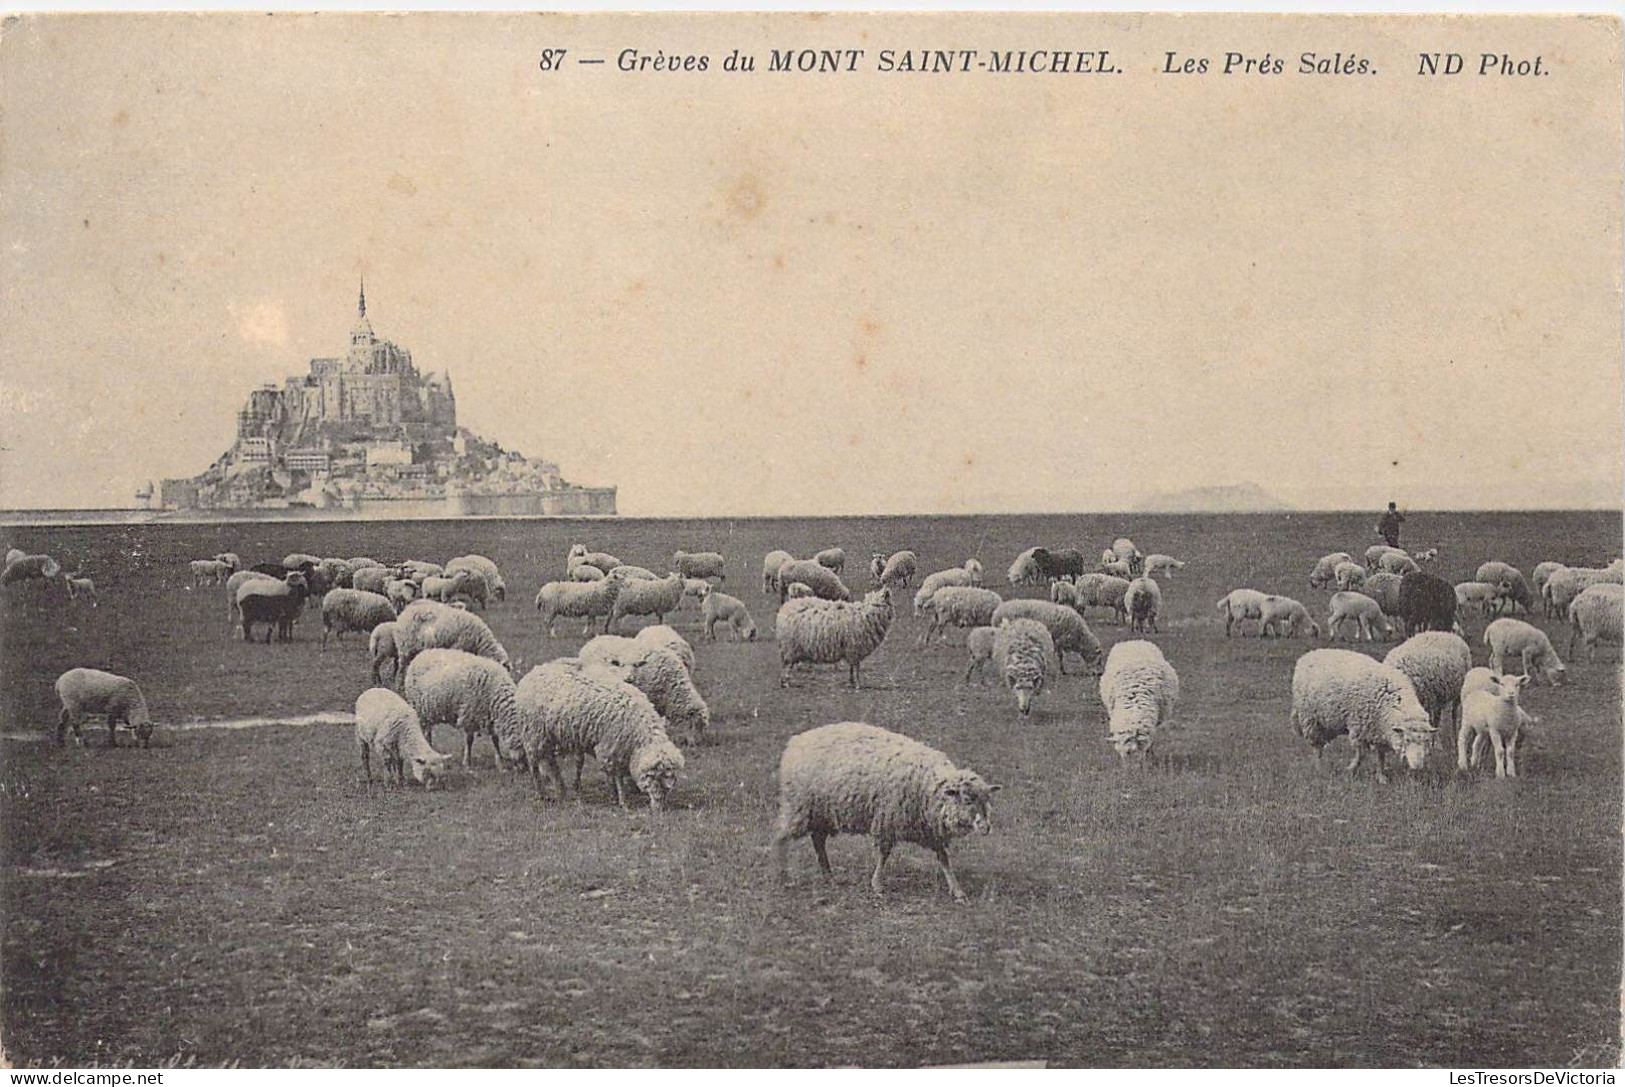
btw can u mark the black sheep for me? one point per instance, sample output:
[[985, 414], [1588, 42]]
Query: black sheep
[[1426, 603], [1054, 565], [274, 610]]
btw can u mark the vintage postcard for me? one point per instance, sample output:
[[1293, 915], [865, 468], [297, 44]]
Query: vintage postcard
[[864, 540]]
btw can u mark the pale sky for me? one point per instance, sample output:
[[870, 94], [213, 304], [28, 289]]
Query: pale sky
[[826, 294]]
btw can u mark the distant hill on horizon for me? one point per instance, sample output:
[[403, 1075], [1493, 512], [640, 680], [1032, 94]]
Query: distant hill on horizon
[[1230, 498]]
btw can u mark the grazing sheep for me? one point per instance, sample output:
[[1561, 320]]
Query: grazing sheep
[[1477, 594], [1364, 611], [276, 604], [567, 707], [336, 573], [445, 587], [419, 571], [661, 675], [1139, 689], [1162, 565], [1374, 554], [1123, 550], [898, 570], [1397, 562], [1348, 575], [587, 573], [401, 592], [1384, 589], [1143, 600], [1595, 616], [1026, 655], [980, 644], [299, 560], [832, 558], [1064, 592], [1538, 578], [1066, 628], [638, 597], [579, 554], [721, 608], [1239, 605], [1516, 639], [1566, 584], [795, 590], [1325, 571], [84, 691], [360, 562], [1338, 692], [667, 638], [831, 631], [1067, 563], [1283, 616], [371, 579], [1436, 662], [823, 582], [626, 572], [578, 600], [353, 609], [81, 586], [770, 570], [942, 579], [386, 725], [700, 564], [853, 778], [958, 606], [449, 686], [209, 572], [1497, 716], [14, 554], [381, 649], [486, 570], [1426, 603], [428, 625], [1024, 571], [974, 569]]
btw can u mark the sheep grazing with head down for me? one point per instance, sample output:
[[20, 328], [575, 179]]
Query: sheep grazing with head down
[[1139, 689], [898, 570], [1025, 654], [346, 610], [486, 570], [661, 675], [1596, 616], [700, 564], [386, 725], [1024, 571], [1239, 605], [815, 631], [796, 590], [427, 625], [567, 707], [731, 612], [32, 568], [1283, 616], [1143, 600], [771, 563], [962, 606], [1066, 628], [1338, 692], [1436, 662], [1348, 575], [86, 691], [1374, 554], [638, 598], [1162, 566], [1361, 610], [942, 579], [853, 778], [1325, 571], [1538, 578], [79, 586], [381, 650], [577, 600], [448, 686], [599, 560], [1397, 562], [667, 638], [832, 558], [1514, 639], [821, 580]]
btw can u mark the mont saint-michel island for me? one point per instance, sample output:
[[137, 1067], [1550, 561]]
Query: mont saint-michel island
[[367, 431]]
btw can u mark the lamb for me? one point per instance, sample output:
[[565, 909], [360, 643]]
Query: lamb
[[1595, 616], [1064, 592], [1325, 571], [718, 607], [84, 691], [700, 564], [1384, 589], [1239, 605], [567, 707], [796, 589], [401, 592], [770, 570], [1338, 692], [832, 558], [980, 644], [427, 625], [1436, 662], [1517, 639], [1025, 653], [1066, 628], [274, 603], [1139, 689], [81, 586], [823, 582], [209, 572], [474, 693], [419, 571], [959, 606], [578, 600], [1024, 571], [353, 609], [1348, 575], [1143, 600], [695, 589], [495, 588], [1365, 612], [387, 726], [830, 631], [1397, 562], [381, 649], [898, 570], [1162, 565], [584, 572], [1475, 594], [661, 675], [654, 598], [1374, 554], [956, 577], [579, 554], [1497, 716], [371, 579], [1282, 613], [667, 638], [1426, 602], [974, 569], [853, 778], [1510, 585]]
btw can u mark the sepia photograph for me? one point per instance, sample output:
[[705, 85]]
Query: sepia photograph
[[811, 540]]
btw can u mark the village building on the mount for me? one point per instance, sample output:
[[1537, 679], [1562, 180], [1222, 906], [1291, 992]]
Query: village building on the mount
[[369, 427]]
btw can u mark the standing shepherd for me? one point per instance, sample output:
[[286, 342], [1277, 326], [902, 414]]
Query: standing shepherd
[[1388, 527]]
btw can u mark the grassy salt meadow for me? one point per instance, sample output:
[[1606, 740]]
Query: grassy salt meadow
[[239, 895]]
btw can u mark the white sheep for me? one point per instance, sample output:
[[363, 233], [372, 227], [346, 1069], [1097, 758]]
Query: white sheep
[[209, 572], [1024, 570], [28, 568], [1065, 592], [449, 686], [1025, 653], [1566, 584], [1068, 630], [1359, 608], [360, 562], [1397, 562], [1427, 554], [1118, 569], [661, 675], [1516, 639], [577, 600], [898, 570], [1162, 565], [957, 577], [486, 570], [974, 569], [79, 586], [298, 559], [1475, 594], [426, 625], [700, 564], [1374, 554], [1124, 551], [1436, 662], [963, 606], [381, 650], [1595, 616], [85, 691], [853, 778], [979, 642], [345, 610], [718, 607], [1139, 689], [832, 631], [822, 581], [600, 559], [567, 707], [627, 572], [1482, 679], [1348, 575], [1497, 717], [695, 590], [1239, 605], [13, 554], [1325, 571], [796, 589], [444, 587], [770, 570], [1283, 616], [587, 573], [401, 592], [1383, 587], [1538, 578], [386, 725], [667, 638], [832, 558], [369, 579], [1143, 600], [1337, 692], [638, 597]]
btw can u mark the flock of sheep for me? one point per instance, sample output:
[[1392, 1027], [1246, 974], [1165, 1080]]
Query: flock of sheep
[[631, 702]]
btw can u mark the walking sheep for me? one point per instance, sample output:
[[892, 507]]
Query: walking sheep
[[661, 675], [1239, 605], [700, 564], [1139, 689], [1066, 628], [833, 558], [654, 598], [1143, 600], [353, 610], [1162, 565], [832, 631], [449, 686], [823, 582], [1337, 692], [577, 600], [1025, 654], [1516, 639], [958, 606], [770, 571], [1495, 716], [209, 572], [1365, 612], [387, 726], [853, 778], [567, 707], [1436, 662], [85, 691], [717, 608], [1595, 616], [1283, 616], [81, 587]]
